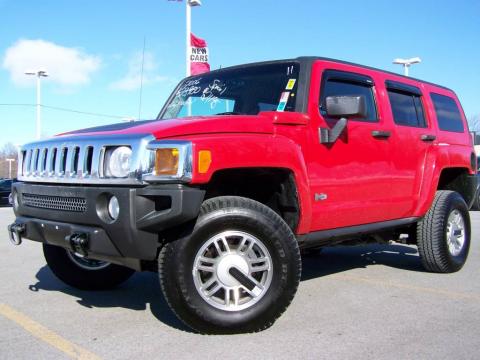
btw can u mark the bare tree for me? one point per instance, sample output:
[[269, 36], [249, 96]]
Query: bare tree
[[474, 126], [474, 123]]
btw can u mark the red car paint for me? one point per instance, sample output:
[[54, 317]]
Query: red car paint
[[364, 179]]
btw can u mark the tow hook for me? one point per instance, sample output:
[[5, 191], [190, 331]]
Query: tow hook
[[15, 232], [78, 243]]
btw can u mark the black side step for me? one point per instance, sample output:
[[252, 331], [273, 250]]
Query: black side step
[[327, 237]]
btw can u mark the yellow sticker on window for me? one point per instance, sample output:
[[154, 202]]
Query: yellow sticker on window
[[291, 84]]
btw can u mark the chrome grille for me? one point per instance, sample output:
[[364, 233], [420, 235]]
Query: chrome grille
[[80, 159], [55, 202]]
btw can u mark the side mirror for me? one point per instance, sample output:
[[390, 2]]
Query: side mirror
[[346, 106], [341, 107]]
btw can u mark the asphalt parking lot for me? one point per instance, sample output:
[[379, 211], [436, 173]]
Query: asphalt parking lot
[[353, 303]]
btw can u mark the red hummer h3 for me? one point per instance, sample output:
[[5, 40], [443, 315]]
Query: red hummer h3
[[243, 167]]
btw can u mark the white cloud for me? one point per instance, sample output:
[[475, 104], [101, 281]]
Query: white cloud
[[132, 79], [65, 66]]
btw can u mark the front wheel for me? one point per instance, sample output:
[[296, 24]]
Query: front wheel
[[443, 235], [83, 273], [237, 272]]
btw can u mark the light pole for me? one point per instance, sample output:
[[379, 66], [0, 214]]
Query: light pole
[[10, 167], [190, 4], [407, 63], [39, 74]]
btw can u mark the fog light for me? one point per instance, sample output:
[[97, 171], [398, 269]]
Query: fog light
[[13, 200], [113, 208]]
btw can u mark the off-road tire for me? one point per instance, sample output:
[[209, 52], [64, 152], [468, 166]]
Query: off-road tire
[[431, 234], [227, 213], [71, 274], [476, 202]]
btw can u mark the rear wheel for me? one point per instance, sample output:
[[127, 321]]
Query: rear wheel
[[443, 235], [84, 273], [237, 272]]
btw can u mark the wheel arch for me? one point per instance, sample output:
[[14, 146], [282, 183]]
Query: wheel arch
[[272, 186], [456, 179], [251, 154]]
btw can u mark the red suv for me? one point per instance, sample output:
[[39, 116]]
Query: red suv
[[243, 167]]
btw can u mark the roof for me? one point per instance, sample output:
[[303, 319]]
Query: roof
[[310, 59], [315, 58]]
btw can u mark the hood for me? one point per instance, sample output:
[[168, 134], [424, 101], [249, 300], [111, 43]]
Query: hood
[[262, 123]]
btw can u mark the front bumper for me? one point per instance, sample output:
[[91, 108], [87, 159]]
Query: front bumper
[[145, 213]]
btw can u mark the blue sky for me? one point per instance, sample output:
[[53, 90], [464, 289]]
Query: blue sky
[[95, 48]]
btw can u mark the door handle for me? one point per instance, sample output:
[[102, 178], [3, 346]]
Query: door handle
[[428, 137], [379, 134]]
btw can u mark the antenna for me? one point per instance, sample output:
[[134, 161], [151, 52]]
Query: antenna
[[141, 81]]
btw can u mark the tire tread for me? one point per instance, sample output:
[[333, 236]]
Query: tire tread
[[226, 202], [431, 232]]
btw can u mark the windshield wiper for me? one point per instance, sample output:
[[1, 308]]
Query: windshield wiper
[[229, 113]]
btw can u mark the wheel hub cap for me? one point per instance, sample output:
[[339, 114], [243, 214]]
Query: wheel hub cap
[[232, 270], [455, 232], [224, 266]]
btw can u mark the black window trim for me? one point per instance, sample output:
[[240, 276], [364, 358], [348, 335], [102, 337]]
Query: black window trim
[[352, 78], [401, 87], [346, 76], [425, 124]]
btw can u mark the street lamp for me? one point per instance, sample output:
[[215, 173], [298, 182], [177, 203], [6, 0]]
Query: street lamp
[[39, 74], [190, 4], [407, 63], [10, 167]]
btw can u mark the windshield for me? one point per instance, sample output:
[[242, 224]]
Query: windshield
[[241, 91]]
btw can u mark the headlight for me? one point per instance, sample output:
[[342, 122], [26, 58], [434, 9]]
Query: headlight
[[171, 160], [118, 162]]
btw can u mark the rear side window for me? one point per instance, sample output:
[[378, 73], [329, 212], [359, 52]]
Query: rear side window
[[448, 114], [406, 105], [339, 83]]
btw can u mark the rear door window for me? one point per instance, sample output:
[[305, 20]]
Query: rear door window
[[406, 104], [448, 114]]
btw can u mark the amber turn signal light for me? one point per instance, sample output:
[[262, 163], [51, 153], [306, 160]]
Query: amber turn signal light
[[204, 161], [166, 161]]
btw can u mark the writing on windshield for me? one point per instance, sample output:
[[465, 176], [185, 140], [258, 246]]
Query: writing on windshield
[[238, 91]]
